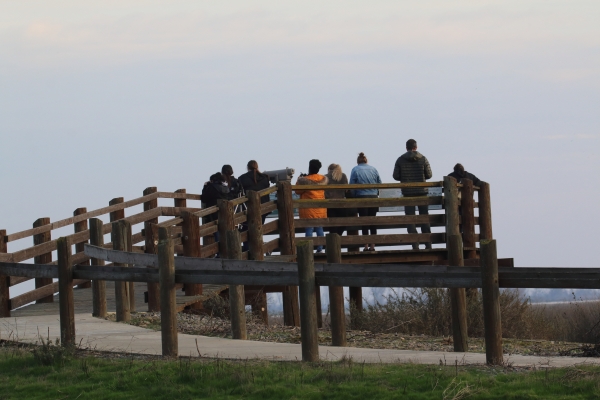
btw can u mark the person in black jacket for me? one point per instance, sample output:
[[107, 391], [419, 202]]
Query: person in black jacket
[[256, 181], [413, 166], [212, 191], [235, 189], [459, 174]]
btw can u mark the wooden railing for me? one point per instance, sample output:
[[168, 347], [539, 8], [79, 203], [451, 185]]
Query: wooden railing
[[192, 230]]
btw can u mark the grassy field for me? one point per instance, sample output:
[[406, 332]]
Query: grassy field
[[49, 373]]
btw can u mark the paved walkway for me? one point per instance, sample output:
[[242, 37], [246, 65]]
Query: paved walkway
[[99, 334]]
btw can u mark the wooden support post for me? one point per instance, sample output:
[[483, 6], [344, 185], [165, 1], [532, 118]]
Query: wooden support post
[[79, 247], [356, 304], [458, 297], [287, 234], [336, 294], [455, 258], [491, 302], [42, 258], [98, 286], [237, 298], [4, 281], [467, 223], [225, 223], [255, 250], [485, 212], [168, 315], [116, 216], [190, 238], [308, 309], [120, 238], [65, 292], [151, 247], [318, 306]]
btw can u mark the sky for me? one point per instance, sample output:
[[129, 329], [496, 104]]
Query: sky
[[103, 99]]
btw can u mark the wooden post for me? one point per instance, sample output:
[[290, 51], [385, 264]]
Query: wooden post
[[119, 237], [4, 281], [356, 304], [225, 223], [42, 258], [491, 302], [485, 212], [79, 247], [116, 216], [98, 286], [287, 234], [336, 294], [458, 297], [191, 248], [168, 315], [151, 247], [308, 309], [467, 216], [455, 258], [65, 292], [237, 296], [255, 250]]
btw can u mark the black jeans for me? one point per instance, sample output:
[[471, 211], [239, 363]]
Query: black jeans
[[368, 212], [337, 213]]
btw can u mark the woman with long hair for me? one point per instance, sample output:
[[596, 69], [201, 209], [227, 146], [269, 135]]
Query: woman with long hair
[[335, 176], [363, 173]]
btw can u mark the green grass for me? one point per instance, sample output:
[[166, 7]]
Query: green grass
[[25, 376]]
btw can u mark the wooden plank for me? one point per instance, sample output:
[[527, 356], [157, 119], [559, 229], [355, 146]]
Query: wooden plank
[[191, 248], [98, 285], [268, 207], [395, 220], [120, 235], [82, 217], [485, 212], [370, 186], [81, 226], [271, 245], [15, 280], [176, 211], [209, 250], [65, 295], [240, 218], [267, 191], [207, 211], [458, 298], [336, 294], [180, 195], [151, 246], [379, 202], [270, 227], [168, 320], [225, 222], [467, 217], [29, 270], [309, 330], [391, 239]]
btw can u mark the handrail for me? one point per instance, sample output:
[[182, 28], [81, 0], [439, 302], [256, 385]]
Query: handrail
[[369, 186], [173, 195]]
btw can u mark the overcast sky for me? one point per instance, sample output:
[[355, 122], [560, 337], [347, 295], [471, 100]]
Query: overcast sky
[[103, 99]]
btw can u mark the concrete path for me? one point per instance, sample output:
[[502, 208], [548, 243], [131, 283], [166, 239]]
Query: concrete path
[[99, 334]]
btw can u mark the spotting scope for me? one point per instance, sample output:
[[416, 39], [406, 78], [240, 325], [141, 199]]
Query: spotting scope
[[277, 175]]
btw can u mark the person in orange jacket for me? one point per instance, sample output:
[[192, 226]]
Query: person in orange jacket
[[313, 178]]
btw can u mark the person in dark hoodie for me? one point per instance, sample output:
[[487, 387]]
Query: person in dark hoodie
[[235, 189], [313, 178], [413, 166], [212, 191], [459, 174], [256, 181]]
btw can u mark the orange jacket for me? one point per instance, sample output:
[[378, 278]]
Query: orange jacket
[[314, 179]]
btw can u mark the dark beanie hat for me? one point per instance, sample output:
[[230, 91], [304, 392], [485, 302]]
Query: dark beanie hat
[[314, 166]]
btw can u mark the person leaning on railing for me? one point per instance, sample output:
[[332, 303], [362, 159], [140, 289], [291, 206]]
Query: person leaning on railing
[[256, 181], [335, 176], [313, 178], [413, 166], [213, 190], [363, 173]]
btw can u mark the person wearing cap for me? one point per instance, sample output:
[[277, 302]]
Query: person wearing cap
[[413, 166], [313, 178]]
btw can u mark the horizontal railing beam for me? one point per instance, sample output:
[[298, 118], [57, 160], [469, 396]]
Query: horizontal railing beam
[[369, 186], [367, 202]]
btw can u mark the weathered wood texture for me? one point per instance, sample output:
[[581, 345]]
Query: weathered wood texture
[[458, 297], [485, 212], [285, 209], [151, 243], [491, 303], [119, 237], [81, 226], [255, 250], [191, 248], [233, 246], [370, 186], [4, 282], [467, 217], [336, 294], [386, 239], [98, 285], [65, 294], [378, 202], [168, 315], [308, 311], [226, 222], [45, 258]]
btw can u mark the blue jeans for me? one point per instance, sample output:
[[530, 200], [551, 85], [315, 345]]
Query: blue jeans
[[319, 230]]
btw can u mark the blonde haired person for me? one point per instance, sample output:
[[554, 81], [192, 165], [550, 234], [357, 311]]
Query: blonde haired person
[[337, 177]]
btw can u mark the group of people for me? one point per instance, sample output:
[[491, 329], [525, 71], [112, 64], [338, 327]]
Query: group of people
[[410, 167]]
